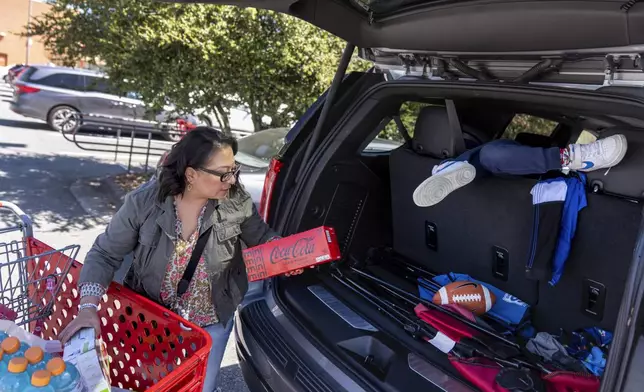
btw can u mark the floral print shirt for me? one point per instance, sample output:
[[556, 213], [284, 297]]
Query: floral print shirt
[[196, 303]]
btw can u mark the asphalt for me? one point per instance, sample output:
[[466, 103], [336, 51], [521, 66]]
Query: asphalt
[[60, 186]]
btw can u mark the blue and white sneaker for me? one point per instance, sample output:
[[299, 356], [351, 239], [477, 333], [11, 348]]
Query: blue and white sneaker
[[446, 178], [603, 153]]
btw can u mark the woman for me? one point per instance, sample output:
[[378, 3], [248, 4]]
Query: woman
[[197, 194]]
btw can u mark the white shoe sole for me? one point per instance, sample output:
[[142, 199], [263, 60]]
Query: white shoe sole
[[434, 189], [622, 145]]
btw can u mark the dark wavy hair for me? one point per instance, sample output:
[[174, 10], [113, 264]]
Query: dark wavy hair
[[194, 150]]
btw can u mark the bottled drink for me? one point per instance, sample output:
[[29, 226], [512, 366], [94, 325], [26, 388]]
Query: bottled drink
[[4, 364], [65, 376], [37, 359], [40, 382], [16, 379], [13, 348]]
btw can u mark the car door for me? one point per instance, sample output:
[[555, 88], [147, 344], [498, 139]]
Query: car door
[[102, 107]]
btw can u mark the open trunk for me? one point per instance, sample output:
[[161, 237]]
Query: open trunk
[[483, 230]]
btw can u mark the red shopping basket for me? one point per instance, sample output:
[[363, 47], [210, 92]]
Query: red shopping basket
[[149, 347]]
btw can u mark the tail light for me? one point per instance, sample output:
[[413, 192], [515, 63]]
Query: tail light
[[269, 182], [23, 89]]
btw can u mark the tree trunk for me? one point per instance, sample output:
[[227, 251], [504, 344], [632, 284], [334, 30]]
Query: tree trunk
[[222, 118], [256, 116]]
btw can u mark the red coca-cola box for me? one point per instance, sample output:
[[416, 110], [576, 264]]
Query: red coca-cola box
[[306, 249]]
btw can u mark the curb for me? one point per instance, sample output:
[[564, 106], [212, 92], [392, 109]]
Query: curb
[[96, 197]]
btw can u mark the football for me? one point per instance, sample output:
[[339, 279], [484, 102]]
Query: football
[[470, 295]]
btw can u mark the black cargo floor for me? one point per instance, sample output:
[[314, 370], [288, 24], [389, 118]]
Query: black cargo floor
[[376, 346]]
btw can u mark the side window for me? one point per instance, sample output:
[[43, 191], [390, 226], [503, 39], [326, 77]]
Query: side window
[[391, 137], [99, 85], [524, 123], [586, 137], [63, 80]]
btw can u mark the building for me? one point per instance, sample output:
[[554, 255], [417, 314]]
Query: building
[[14, 15]]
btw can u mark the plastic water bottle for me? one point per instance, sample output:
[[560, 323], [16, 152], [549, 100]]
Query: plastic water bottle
[[40, 382], [37, 359], [65, 376], [13, 348], [4, 364], [16, 379]]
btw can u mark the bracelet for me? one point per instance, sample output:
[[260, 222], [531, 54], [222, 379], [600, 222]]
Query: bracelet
[[87, 306]]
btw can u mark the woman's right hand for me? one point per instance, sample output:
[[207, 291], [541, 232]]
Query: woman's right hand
[[87, 318]]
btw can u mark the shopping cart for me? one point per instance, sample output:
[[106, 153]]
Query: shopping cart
[[149, 347]]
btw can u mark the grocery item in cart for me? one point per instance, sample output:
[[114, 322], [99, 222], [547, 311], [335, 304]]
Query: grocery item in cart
[[291, 253], [13, 348], [65, 376], [16, 379], [87, 353], [4, 363], [40, 382], [11, 329], [37, 359]]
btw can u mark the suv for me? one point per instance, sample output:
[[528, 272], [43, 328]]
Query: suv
[[68, 98], [467, 72]]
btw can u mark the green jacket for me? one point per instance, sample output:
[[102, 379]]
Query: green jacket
[[146, 228]]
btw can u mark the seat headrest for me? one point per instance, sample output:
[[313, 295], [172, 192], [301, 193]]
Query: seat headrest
[[627, 178], [432, 133]]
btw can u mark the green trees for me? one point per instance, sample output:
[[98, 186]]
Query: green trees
[[196, 55]]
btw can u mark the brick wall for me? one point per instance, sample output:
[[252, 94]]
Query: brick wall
[[13, 18]]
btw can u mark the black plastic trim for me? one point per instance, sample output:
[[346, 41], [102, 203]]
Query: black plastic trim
[[259, 322]]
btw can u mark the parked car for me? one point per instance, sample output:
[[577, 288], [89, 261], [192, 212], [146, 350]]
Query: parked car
[[14, 73], [69, 98], [472, 69], [11, 72]]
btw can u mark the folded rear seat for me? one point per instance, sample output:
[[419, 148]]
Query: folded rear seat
[[484, 230], [592, 285]]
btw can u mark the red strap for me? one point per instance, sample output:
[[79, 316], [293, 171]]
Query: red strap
[[480, 372], [446, 324]]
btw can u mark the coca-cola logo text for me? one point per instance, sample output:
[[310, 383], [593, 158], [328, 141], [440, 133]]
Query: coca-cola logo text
[[302, 247]]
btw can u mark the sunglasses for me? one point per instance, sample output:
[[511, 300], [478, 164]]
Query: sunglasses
[[223, 176]]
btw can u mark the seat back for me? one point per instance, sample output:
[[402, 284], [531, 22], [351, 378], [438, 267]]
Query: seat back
[[484, 230], [592, 285]]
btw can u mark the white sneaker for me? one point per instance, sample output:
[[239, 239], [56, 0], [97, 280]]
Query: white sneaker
[[446, 178], [601, 154]]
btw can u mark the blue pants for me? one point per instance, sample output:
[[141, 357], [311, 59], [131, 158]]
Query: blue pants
[[220, 335], [510, 157]]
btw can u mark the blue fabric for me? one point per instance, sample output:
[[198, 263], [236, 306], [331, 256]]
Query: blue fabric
[[595, 362], [509, 157], [507, 308], [590, 346], [575, 202]]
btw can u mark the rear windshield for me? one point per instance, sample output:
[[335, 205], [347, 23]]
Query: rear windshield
[[26, 75]]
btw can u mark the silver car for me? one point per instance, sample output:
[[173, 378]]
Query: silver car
[[67, 98]]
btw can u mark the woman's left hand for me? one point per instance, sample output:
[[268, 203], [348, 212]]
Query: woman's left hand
[[295, 272]]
